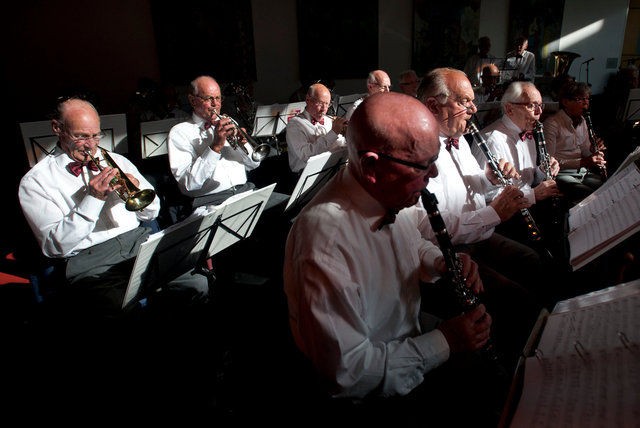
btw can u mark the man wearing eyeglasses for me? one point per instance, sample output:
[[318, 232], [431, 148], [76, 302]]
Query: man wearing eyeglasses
[[207, 168], [472, 205], [377, 81], [353, 261], [511, 138], [313, 132], [568, 139], [76, 216]]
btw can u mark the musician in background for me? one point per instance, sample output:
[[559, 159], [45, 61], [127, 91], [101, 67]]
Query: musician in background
[[568, 141], [377, 81], [489, 90], [476, 62], [313, 132], [409, 83], [353, 288], [78, 219], [207, 168], [519, 64], [472, 205]]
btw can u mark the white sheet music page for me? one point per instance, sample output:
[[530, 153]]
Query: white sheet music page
[[605, 218], [569, 391]]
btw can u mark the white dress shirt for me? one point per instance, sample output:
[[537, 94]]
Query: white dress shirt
[[566, 143], [64, 218], [462, 191], [198, 169], [515, 65], [353, 294], [503, 139], [305, 139]]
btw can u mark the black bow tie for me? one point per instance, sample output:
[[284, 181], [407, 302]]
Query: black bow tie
[[452, 142], [388, 218], [526, 134], [75, 168]]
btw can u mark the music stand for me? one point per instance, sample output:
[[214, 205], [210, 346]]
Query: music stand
[[318, 171], [345, 102], [632, 108], [187, 245], [40, 141], [153, 136]]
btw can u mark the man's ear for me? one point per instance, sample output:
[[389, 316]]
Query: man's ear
[[368, 163], [433, 105], [55, 126]]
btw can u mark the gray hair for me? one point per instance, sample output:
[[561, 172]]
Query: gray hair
[[514, 92], [434, 84], [193, 86]]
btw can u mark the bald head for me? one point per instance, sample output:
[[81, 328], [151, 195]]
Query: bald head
[[318, 100], [490, 75], [318, 90], [378, 81], [78, 128], [410, 135]]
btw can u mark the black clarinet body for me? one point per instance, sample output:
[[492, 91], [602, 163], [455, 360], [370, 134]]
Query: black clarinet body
[[532, 229], [602, 170], [545, 164], [467, 299]]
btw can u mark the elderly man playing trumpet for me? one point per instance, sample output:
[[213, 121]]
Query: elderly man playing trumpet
[[313, 132], [76, 216], [203, 162]]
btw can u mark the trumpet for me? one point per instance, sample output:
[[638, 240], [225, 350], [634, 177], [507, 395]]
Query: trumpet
[[344, 127], [260, 151], [134, 198]]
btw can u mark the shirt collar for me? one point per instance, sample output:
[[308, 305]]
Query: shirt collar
[[371, 210]]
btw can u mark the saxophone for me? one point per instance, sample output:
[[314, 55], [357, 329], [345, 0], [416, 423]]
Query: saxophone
[[532, 228]]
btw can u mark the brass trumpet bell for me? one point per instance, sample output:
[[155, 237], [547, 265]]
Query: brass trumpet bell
[[134, 198]]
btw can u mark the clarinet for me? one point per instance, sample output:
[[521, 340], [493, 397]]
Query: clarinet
[[532, 228], [545, 163], [592, 138], [466, 297]]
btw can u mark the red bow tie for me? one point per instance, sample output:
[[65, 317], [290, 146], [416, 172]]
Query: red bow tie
[[208, 125], [75, 168], [526, 134], [452, 142], [321, 121], [389, 218]]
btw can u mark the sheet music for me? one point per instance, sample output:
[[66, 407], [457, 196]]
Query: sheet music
[[605, 218], [596, 326], [567, 391], [586, 369]]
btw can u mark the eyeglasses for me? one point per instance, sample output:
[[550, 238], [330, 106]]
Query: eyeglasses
[[84, 138], [385, 87], [466, 104], [320, 103], [211, 100], [531, 106], [581, 99], [400, 161]]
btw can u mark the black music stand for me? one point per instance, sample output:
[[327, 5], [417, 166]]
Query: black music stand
[[186, 246], [318, 171], [632, 108]]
